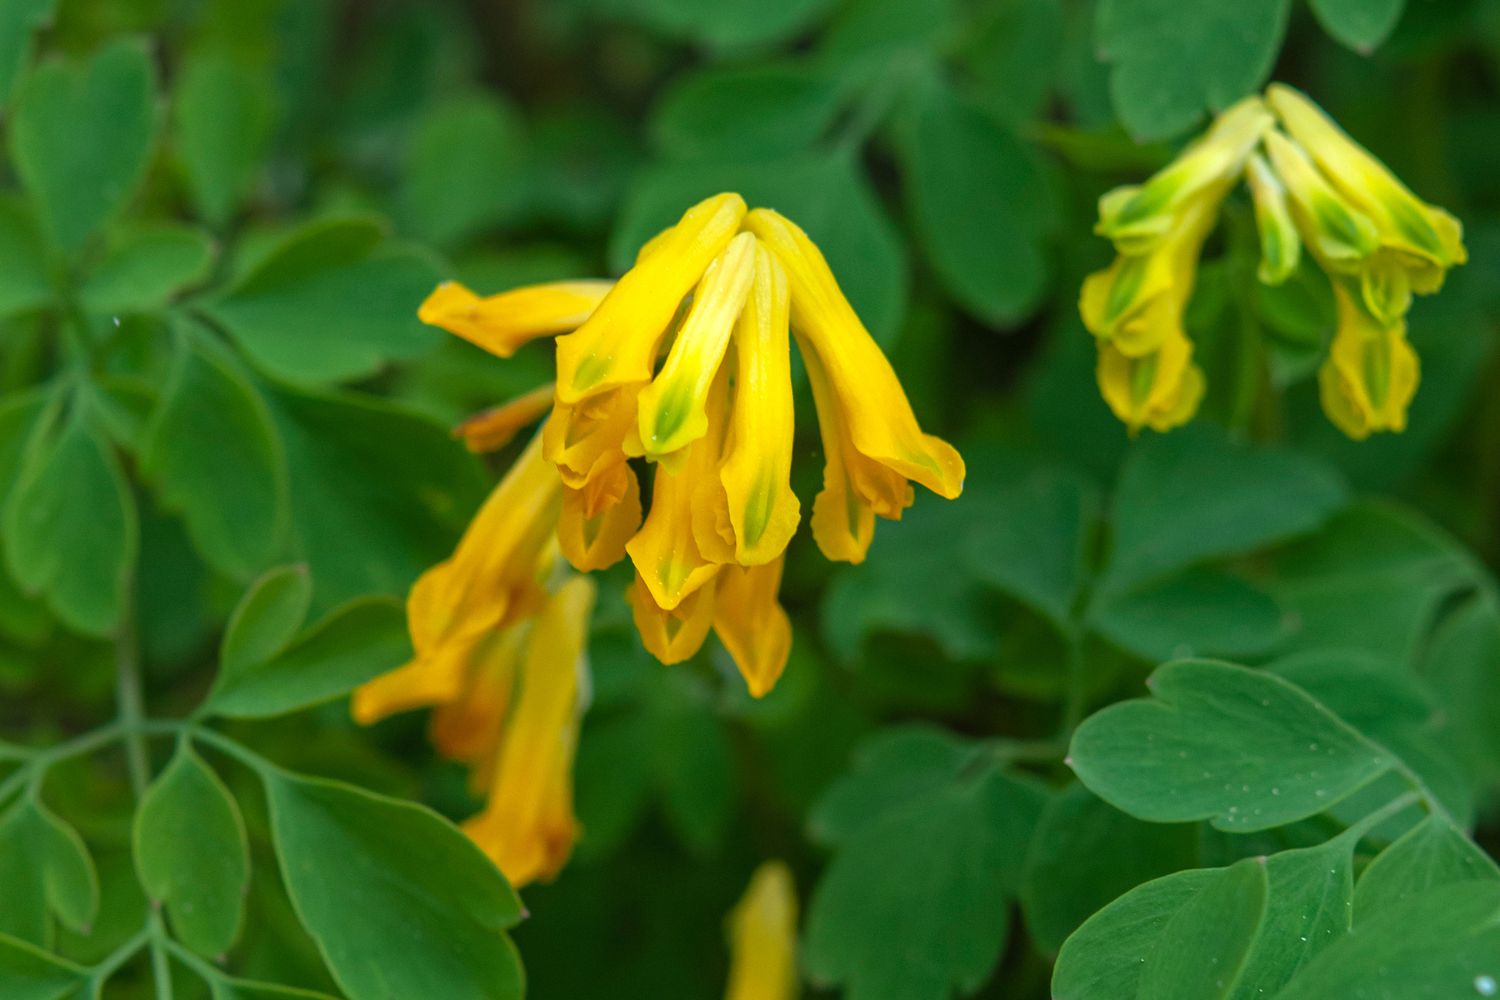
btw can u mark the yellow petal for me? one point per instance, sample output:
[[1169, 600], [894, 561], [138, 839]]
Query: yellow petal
[[617, 345], [436, 680], [468, 728], [1280, 247], [750, 622], [672, 408], [1135, 218], [586, 440], [493, 429], [1339, 234], [672, 635], [1404, 220], [763, 937], [756, 475], [666, 552], [502, 323], [527, 826], [843, 519], [592, 532], [1161, 390], [1371, 373], [879, 417]]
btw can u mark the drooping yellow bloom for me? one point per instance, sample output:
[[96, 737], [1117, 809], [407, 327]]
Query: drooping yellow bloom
[[1312, 186], [685, 364], [494, 428], [503, 323], [528, 827], [762, 933]]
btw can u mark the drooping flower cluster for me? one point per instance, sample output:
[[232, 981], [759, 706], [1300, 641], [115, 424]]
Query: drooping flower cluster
[[1313, 187], [684, 364]]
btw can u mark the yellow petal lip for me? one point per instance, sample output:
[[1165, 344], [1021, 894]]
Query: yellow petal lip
[[752, 624], [494, 428], [674, 635], [617, 344], [671, 410], [595, 539], [762, 933], [1161, 390], [879, 416], [503, 323], [1371, 373]]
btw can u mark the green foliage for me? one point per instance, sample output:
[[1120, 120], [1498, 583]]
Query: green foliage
[[1204, 714]]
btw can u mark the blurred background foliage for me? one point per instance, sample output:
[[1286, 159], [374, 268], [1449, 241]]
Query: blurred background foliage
[[229, 210]]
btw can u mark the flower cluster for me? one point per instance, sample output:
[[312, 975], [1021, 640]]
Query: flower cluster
[[683, 365], [1313, 187]]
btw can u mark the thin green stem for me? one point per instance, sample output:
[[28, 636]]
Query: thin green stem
[[161, 967], [35, 766], [1394, 807], [232, 748], [206, 971], [119, 957]]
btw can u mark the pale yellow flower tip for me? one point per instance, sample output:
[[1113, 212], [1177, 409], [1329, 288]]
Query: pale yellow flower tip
[[1404, 221], [1161, 390], [672, 635], [618, 343], [762, 931], [502, 323], [492, 429], [751, 623], [1280, 247], [1371, 373]]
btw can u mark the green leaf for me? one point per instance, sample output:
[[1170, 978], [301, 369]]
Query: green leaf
[[755, 112], [267, 618], [1362, 689], [1459, 664], [145, 267], [192, 854], [24, 282], [82, 137], [28, 973], [214, 454], [45, 869], [1440, 944], [377, 492], [400, 902], [1085, 853], [221, 124], [356, 642], [1172, 59], [1034, 544], [1241, 748], [19, 21], [729, 24], [929, 848], [1210, 937], [1362, 25], [227, 988], [982, 205], [890, 32], [1201, 612], [1431, 854], [70, 525], [1013, 56], [1192, 495], [824, 193], [463, 169], [328, 303]]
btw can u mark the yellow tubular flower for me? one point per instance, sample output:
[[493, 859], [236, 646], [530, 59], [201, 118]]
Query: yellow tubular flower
[[468, 728], [763, 937], [672, 408], [751, 623], [1335, 230], [491, 579], [1280, 247], [595, 524], [672, 635], [586, 440], [1136, 217], [1161, 390], [617, 345], [876, 411], [493, 429], [527, 826], [502, 323], [1429, 237], [756, 475], [1371, 372]]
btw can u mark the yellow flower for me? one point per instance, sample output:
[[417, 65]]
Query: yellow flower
[[527, 826], [685, 363], [1280, 246], [763, 937], [1370, 374], [493, 578], [1160, 390], [494, 428]]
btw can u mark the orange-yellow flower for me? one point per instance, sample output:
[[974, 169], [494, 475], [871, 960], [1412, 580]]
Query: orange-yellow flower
[[763, 937]]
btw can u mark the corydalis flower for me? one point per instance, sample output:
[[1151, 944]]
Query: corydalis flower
[[763, 937], [1312, 186], [500, 655], [684, 364]]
